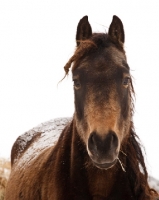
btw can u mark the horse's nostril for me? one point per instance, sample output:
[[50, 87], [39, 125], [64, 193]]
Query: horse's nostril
[[91, 141], [103, 146], [114, 139], [92, 138]]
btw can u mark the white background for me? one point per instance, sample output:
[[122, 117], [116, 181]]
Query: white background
[[36, 40]]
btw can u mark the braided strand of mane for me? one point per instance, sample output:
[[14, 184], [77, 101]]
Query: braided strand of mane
[[84, 47]]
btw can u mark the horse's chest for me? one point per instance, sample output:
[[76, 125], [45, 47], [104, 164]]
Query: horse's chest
[[100, 184]]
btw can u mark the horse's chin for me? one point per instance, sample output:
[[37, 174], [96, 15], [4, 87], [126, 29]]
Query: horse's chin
[[105, 165]]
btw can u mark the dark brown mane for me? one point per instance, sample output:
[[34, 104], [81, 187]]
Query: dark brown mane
[[136, 168]]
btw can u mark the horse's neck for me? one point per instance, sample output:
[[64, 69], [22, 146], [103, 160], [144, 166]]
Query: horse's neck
[[101, 182]]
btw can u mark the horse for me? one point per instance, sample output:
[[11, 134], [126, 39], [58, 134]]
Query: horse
[[97, 155]]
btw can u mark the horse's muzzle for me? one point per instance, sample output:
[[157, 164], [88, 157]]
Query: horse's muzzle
[[102, 149]]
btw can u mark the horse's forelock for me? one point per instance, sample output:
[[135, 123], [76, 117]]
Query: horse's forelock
[[81, 50], [97, 40]]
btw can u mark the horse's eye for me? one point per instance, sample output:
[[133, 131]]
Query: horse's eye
[[126, 81], [77, 84]]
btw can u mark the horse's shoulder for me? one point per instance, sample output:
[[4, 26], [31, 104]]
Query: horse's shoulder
[[22, 143], [32, 142]]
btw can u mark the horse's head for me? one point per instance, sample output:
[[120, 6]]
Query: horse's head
[[102, 88]]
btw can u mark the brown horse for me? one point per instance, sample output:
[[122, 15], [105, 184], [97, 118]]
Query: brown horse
[[98, 155]]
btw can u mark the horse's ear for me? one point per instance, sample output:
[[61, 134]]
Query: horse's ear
[[84, 30], [116, 31]]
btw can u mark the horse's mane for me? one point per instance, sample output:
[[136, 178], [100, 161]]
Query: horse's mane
[[136, 168]]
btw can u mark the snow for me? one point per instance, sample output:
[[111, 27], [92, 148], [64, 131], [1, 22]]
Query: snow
[[49, 134], [4, 172], [154, 183]]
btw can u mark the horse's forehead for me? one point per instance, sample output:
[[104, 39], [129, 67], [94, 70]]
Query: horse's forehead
[[108, 59], [116, 56]]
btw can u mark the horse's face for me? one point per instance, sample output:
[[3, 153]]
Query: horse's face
[[102, 98]]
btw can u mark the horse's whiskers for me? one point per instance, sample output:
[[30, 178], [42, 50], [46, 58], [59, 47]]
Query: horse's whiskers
[[121, 165], [123, 152]]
